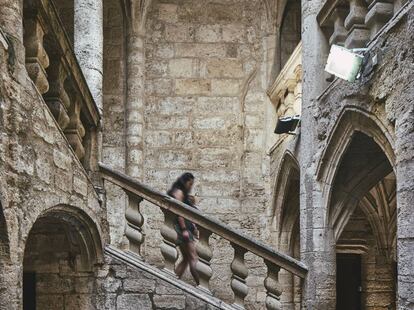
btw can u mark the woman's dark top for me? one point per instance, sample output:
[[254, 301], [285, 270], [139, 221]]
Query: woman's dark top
[[188, 224]]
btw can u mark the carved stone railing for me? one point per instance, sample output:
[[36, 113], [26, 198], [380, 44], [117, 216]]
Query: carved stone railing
[[52, 65], [240, 243], [352, 23]]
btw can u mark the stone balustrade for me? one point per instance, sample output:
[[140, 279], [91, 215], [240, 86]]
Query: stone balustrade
[[240, 243], [54, 69], [352, 23]]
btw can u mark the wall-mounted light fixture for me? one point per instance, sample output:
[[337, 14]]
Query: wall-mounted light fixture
[[287, 125], [345, 64]]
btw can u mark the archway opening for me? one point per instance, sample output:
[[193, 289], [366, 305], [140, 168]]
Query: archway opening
[[289, 230], [363, 216], [59, 262]]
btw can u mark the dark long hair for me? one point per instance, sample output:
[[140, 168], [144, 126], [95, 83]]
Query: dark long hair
[[180, 184]]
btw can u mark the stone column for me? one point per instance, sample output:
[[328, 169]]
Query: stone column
[[88, 41], [405, 201], [317, 247], [135, 104]]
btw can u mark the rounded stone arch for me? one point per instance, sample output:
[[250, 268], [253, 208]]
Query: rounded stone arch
[[288, 172], [353, 124], [84, 237]]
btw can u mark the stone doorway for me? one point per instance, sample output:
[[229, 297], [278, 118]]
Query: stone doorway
[[348, 282]]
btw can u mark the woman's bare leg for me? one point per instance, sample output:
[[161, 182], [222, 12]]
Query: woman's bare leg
[[182, 266], [192, 260]]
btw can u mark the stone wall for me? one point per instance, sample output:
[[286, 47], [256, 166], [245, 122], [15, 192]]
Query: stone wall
[[120, 286], [39, 171], [204, 112]]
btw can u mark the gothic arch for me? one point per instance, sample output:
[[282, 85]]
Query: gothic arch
[[288, 170], [340, 200]]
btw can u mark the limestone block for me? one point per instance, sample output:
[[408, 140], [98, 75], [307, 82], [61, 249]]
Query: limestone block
[[234, 33], [183, 67], [192, 87], [133, 302], [62, 160], [217, 105], [225, 87], [208, 33], [141, 285], [167, 12], [178, 33], [224, 67], [169, 302], [167, 122], [158, 138], [200, 50]]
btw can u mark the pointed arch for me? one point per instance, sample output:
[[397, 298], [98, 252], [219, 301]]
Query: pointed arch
[[353, 126], [288, 169]]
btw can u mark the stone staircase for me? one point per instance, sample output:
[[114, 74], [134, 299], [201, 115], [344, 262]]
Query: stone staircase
[[241, 244]]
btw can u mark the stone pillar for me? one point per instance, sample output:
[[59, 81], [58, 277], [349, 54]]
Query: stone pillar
[[317, 248], [135, 104], [405, 201], [88, 41]]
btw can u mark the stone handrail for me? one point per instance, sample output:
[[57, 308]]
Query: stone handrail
[[52, 65], [241, 243], [352, 23]]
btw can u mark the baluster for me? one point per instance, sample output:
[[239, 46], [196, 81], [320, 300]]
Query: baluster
[[239, 275], [379, 13], [75, 130], [134, 222], [168, 247], [204, 254], [273, 287], [358, 34], [56, 98], [37, 59], [339, 34]]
